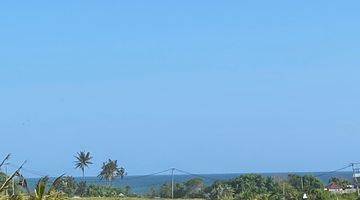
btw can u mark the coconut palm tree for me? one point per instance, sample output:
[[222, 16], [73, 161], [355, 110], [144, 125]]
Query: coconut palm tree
[[110, 171], [83, 159]]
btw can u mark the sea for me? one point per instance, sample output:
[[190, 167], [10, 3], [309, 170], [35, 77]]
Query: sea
[[142, 184]]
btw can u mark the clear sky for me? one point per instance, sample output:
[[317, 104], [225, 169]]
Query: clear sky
[[204, 86]]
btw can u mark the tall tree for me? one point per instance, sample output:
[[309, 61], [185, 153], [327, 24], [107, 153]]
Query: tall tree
[[110, 171], [83, 159]]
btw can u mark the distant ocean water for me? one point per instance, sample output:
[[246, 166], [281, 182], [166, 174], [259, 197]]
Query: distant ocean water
[[142, 184]]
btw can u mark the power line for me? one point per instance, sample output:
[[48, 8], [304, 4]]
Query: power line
[[196, 175], [331, 172], [148, 175], [131, 178]]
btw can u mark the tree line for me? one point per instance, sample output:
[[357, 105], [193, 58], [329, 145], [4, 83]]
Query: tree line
[[243, 187], [254, 187]]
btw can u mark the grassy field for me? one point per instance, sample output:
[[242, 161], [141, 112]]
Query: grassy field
[[120, 198]]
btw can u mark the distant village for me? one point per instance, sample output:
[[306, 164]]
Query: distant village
[[336, 188]]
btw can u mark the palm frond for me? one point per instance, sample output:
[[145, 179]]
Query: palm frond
[[7, 182], [40, 189], [56, 182], [5, 159]]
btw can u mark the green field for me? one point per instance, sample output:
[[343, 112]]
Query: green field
[[123, 198]]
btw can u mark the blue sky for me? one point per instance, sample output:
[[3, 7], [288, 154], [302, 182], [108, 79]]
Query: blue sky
[[205, 86]]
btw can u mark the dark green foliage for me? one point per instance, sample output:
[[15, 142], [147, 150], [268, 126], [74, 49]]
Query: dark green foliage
[[110, 170], [81, 189], [254, 186], [180, 190], [194, 188], [3, 178], [290, 192], [305, 183], [221, 191], [83, 159], [70, 188], [67, 185], [247, 187], [41, 192], [165, 190], [320, 194], [312, 186], [8, 187], [252, 183], [104, 191]]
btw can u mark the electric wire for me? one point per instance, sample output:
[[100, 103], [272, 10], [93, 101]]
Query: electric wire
[[331, 172]]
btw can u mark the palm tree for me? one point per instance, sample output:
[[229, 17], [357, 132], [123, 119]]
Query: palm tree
[[83, 159], [110, 170], [41, 192], [8, 180]]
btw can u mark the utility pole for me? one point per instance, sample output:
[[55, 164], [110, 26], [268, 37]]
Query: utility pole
[[172, 182], [356, 175]]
